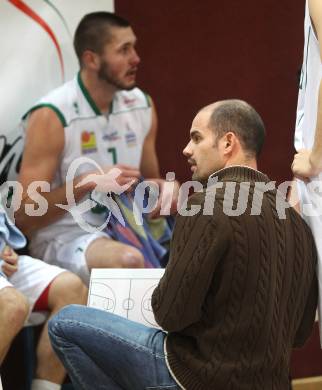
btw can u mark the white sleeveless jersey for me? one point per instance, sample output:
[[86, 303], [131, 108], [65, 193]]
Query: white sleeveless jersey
[[309, 88], [116, 137], [306, 119]]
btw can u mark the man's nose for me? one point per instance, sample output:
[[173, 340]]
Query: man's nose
[[135, 58], [187, 150]]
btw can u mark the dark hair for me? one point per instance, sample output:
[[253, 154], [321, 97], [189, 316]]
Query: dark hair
[[93, 33], [243, 120]]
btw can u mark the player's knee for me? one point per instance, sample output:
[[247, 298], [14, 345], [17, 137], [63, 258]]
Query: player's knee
[[14, 307], [67, 289], [132, 258]]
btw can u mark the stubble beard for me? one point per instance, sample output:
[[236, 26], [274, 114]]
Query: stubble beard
[[104, 74], [202, 179], [194, 176]]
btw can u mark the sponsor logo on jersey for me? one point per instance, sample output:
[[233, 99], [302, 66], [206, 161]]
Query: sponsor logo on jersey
[[88, 142], [129, 102], [111, 136], [130, 137]]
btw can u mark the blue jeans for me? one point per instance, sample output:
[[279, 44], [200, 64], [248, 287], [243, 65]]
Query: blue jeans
[[101, 350]]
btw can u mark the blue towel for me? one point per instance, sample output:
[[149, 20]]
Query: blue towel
[[151, 238], [9, 233]]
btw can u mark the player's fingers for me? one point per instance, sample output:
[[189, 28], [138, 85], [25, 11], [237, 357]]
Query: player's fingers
[[298, 157], [7, 250], [301, 177], [155, 213], [11, 259], [126, 166], [293, 166], [125, 171], [127, 180], [128, 170], [131, 173], [9, 269]]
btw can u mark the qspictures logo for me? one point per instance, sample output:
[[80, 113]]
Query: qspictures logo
[[236, 198]]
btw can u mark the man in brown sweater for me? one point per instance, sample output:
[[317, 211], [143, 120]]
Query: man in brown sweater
[[239, 290]]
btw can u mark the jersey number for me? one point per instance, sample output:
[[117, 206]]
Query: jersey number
[[114, 155]]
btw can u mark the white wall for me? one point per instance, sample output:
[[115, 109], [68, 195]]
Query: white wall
[[30, 63]]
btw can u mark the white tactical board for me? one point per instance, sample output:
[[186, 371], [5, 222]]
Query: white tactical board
[[126, 292]]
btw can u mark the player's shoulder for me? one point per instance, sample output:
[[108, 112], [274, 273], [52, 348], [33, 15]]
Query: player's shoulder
[[60, 94], [58, 101]]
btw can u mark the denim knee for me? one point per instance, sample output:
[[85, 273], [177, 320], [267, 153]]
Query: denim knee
[[57, 323]]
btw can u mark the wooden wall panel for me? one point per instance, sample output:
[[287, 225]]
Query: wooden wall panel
[[194, 53]]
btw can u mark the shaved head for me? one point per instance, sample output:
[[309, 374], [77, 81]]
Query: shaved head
[[240, 118]]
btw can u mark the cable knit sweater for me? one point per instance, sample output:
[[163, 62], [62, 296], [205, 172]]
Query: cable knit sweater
[[239, 291]]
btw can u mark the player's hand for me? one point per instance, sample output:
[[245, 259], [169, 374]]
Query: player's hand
[[10, 258], [117, 179], [302, 165], [168, 198], [129, 175]]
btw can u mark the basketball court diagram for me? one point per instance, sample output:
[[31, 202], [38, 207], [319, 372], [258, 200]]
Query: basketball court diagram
[[126, 292]]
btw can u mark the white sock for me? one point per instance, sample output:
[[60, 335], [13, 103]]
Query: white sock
[[41, 384]]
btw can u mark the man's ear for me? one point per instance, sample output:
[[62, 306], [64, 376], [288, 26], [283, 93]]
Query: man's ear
[[229, 142], [91, 60]]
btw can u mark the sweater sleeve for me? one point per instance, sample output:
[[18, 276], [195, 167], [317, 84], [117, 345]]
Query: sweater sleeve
[[197, 247], [305, 328]]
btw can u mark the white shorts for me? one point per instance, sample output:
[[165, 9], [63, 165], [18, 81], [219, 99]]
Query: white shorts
[[69, 254], [32, 278]]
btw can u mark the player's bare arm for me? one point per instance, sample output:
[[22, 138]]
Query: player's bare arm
[[308, 163], [43, 147]]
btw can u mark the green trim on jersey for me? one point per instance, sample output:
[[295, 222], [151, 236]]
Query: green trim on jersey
[[51, 106], [97, 110], [87, 95], [111, 107]]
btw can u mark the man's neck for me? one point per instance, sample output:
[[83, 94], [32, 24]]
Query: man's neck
[[101, 92], [245, 162]]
